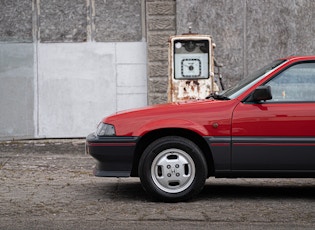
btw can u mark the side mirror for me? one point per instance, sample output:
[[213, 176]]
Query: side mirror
[[261, 93]]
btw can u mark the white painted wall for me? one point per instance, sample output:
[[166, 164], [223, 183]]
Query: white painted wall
[[16, 91], [80, 83], [131, 73]]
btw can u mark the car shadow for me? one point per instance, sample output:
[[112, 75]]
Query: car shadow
[[255, 190], [126, 190]]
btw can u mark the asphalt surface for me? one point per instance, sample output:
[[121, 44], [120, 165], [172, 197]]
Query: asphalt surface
[[48, 184]]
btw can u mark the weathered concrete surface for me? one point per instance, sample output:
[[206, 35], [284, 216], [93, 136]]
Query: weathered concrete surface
[[75, 81], [118, 20], [80, 83], [97, 20], [55, 80], [249, 34], [16, 21], [62, 21], [17, 90], [161, 24], [54, 90], [48, 184]]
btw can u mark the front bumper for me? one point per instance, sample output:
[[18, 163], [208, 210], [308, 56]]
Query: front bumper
[[114, 154]]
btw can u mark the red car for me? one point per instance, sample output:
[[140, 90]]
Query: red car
[[262, 127]]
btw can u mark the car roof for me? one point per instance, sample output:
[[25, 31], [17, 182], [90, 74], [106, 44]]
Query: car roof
[[299, 58]]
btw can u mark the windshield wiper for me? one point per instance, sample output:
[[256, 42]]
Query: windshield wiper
[[217, 97]]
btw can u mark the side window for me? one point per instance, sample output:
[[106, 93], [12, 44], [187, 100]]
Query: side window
[[295, 84]]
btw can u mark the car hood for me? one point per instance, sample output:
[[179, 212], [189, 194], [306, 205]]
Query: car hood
[[193, 115], [163, 109]]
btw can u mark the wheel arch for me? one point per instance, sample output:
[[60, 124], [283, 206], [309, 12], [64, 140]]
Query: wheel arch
[[159, 133]]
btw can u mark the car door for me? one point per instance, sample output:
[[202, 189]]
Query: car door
[[279, 134]]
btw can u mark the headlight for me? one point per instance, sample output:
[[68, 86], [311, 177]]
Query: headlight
[[105, 130]]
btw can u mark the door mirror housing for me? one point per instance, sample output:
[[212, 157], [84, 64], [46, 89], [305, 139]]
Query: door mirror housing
[[261, 93]]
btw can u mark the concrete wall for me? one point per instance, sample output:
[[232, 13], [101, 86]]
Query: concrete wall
[[161, 24], [250, 33], [78, 84], [66, 64], [17, 90]]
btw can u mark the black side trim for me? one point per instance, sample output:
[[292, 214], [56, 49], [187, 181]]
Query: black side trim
[[221, 151], [265, 174], [264, 139], [92, 138]]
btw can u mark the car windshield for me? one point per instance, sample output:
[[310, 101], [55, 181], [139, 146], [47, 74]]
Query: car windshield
[[249, 81]]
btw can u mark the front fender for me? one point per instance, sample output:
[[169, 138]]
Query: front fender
[[171, 123]]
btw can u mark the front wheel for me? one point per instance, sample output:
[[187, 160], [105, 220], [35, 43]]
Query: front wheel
[[172, 169]]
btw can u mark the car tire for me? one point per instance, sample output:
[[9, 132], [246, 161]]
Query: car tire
[[172, 169]]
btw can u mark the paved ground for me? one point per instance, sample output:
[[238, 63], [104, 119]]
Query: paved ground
[[48, 184]]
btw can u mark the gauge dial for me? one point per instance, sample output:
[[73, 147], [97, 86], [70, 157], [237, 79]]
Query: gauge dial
[[190, 68]]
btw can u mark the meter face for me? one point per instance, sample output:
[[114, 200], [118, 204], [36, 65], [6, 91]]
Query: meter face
[[191, 59]]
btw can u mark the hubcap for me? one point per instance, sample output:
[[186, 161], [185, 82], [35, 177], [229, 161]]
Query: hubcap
[[173, 170]]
